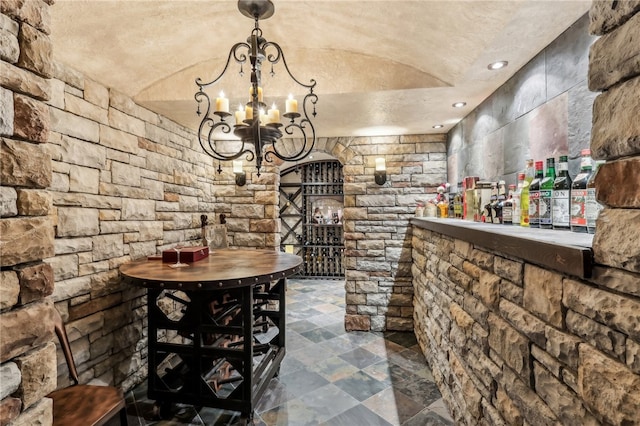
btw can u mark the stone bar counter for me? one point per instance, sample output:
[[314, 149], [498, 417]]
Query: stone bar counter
[[520, 326]]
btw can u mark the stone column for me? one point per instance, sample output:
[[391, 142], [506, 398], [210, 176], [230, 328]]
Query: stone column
[[27, 354]]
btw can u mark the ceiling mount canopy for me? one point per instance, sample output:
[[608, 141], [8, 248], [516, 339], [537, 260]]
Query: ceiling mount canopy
[[259, 129]]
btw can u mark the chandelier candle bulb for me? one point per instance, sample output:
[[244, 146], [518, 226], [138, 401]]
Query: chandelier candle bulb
[[274, 114], [263, 118], [292, 105], [380, 165], [222, 103], [248, 113], [237, 166], [240, 115]]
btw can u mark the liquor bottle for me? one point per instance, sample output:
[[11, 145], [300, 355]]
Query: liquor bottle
[[579, 193], [507, 209], [534, 196], [498, 205], [546, 190], [524, 195], [516, 200], [457, 202], [560, 212], [593, 206], [487, 209]]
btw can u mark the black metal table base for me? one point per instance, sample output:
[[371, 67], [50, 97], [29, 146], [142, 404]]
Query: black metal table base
[[215, 348]]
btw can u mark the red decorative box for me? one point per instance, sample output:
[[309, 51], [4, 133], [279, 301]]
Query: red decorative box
[[187, 254]]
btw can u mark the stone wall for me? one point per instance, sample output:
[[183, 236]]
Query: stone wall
[[27, 351], [376, 228], [90, 180], [512, 343], [543, 111]]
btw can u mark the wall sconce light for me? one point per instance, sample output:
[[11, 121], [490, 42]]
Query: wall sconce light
[[380, 173], [241, 176]]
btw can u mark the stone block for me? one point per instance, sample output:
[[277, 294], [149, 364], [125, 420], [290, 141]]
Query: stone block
[[126, 142], [602, 337], [511, 270], [41, 414], [24, 81], [81, 153], [562, 400], [24, 164], [126, 123], [633, 356], [34, 202], [9, 291], [615, 132], [36, 281], [77, 222], [25, 240], [487, 289], [73, 287], [133, 209], [64, 266], [612, 180], [254, 211], [36, 51], [84, 180], [543, 294], [507, 408], [357, 323], [31, 119], [607, 15], [39, 374], [72, 245], [9, 46], [512, 347], [107, 246], [618, 56], [96, 93], [610, 390], [10, 379], [613, 310], [75, 126], [25, 328], [549, 362], [524, 322], [6, 108], [563, 346], [8, 201], [512, 292], [9, 410], [533, 409]]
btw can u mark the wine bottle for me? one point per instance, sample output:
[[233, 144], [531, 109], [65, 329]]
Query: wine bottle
[[546, 190], [534, 196], [593, 206], [529, 173], [579, 193], [560, 196]]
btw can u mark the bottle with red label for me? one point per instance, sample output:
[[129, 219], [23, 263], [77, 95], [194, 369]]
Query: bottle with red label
[[579, 193]]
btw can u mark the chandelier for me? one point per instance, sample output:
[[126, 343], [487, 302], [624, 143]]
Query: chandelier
[[258, 128]]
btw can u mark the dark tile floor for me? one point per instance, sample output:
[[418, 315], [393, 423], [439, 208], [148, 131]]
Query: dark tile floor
[[329, 376]]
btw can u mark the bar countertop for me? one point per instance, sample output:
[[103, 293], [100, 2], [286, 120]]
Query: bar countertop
[[563, 251]]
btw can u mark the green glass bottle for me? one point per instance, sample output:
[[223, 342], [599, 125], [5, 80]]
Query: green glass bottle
[[561, 213], [546, 192], [579, 193]]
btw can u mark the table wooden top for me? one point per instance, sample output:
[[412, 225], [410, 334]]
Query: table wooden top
[[223, 268]]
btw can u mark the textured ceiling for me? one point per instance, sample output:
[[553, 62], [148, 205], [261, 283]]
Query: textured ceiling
[[382, 67]]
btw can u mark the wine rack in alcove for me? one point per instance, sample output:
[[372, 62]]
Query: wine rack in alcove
[[311, 213]]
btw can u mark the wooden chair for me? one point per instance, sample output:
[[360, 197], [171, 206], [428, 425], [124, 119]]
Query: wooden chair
[[83, 405]]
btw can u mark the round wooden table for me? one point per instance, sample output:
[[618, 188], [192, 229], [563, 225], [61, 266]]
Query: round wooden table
[[216, 328], [223, 268]]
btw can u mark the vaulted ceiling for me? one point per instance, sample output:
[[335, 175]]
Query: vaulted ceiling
[[382, 67]]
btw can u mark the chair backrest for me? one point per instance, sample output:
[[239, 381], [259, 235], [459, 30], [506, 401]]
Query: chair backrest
[[61, 332]]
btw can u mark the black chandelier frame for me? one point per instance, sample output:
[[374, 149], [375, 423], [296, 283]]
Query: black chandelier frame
[[259, 141]]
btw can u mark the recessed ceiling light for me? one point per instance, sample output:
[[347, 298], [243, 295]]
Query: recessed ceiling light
[[459, 104], [438, 126], [497, 65]]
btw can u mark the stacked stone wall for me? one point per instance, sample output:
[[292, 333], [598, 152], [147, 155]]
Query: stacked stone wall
[[377, 234], [91, 180], [27, 351], [512, 343]]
